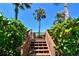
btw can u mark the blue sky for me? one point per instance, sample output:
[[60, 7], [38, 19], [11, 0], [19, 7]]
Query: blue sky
[[26, 16]]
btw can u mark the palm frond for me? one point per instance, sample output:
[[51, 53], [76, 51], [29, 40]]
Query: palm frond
[[27, 5], [21, 6]]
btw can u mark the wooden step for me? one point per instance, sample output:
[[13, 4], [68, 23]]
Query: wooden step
[[40, 54], [39, 50], [38, 45], [34, 52], [40, 38], [38, 42]]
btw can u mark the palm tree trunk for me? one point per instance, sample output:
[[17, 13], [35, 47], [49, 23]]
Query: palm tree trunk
[[16, 12], [39, 28], [66, 11]]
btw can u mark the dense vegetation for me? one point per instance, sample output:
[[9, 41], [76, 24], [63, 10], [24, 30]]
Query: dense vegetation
[[66, 37], [11, 36]]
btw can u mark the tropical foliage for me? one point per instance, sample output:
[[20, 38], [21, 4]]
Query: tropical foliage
[[21, 6], [59, 17], [66, 37], [11, 36], [66, 12]]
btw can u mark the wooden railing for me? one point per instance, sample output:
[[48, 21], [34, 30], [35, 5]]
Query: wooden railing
[[26, 43], [50, 43], [28, 38]]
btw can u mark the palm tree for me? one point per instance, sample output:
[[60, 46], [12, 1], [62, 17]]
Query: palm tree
[[66, 11], [66, 14], [16, 10], [59, 17], [21, 6], [38, 15]]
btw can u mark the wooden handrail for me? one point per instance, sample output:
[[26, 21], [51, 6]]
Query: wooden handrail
[[26, 43], [50, 43]]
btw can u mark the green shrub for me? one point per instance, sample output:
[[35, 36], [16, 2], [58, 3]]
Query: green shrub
[[11, 36], [66, 37]]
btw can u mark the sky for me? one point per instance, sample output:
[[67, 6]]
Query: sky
[[26, 16]]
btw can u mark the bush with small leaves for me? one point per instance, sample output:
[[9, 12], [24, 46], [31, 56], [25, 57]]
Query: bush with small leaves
[[11, 36], [66, 37]]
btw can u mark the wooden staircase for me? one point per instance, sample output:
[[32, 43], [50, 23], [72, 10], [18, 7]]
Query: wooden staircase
[[35, 46], [38, 47]]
